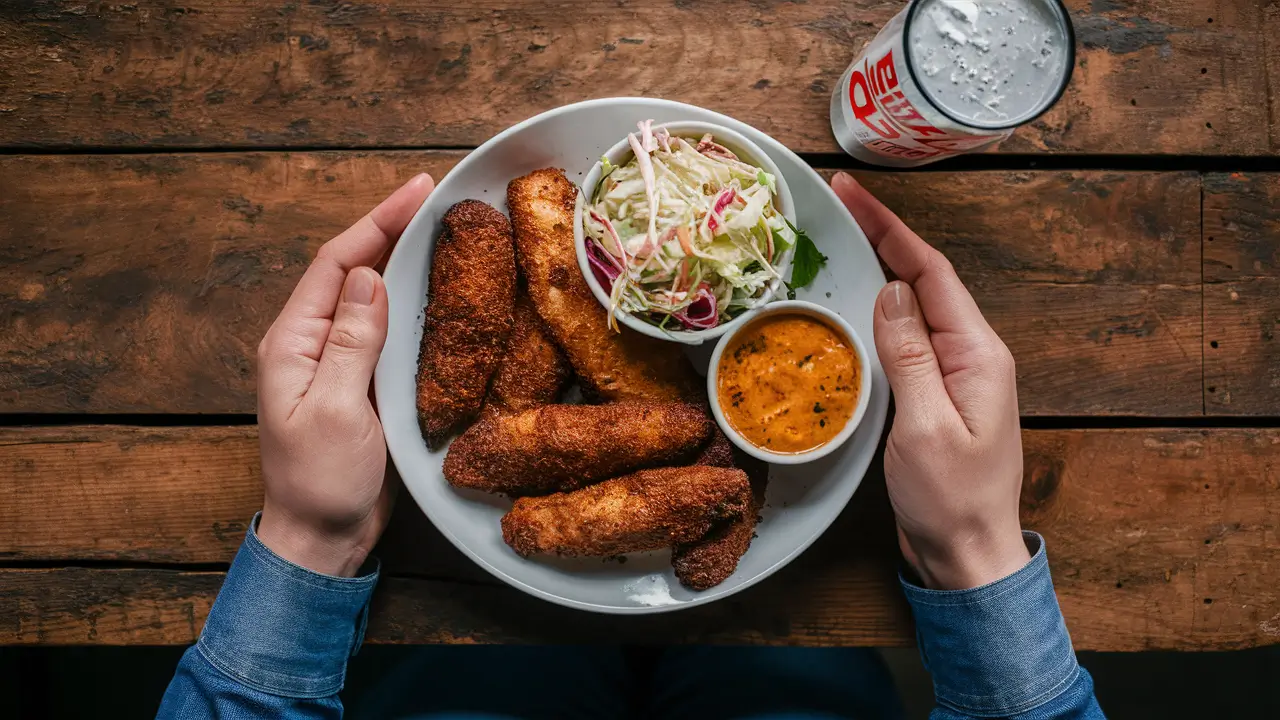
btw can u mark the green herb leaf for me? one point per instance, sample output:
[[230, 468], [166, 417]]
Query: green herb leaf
[[766, 179], [808, 261], [608, 167], [780, 243]]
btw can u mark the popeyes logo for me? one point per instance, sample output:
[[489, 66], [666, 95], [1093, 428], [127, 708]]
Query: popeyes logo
[[878, 103]]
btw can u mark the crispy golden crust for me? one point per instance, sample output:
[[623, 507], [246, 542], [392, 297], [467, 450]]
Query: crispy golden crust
[[563, 447], [711, 560], [470, 301], [646, 510], [533, 372], [717, 453], [610, 366]]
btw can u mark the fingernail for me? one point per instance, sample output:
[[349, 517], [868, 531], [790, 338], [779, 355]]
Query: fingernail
[[899, 302], [359, 290], [845, 178]]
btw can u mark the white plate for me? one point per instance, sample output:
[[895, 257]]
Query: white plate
[[802, 500]]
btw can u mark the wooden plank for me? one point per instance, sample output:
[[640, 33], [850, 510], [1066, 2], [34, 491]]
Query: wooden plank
[[76, 606], [170, 267], [1148, 532], [1242, 294], [1176, 76], [162, 495], [144, 283], [1084, 275], [1271, 58], [1143, 527]]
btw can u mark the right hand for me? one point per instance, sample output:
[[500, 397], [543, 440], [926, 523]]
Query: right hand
[[953, 463]]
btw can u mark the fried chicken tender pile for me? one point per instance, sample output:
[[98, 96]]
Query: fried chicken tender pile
[[644, 470]]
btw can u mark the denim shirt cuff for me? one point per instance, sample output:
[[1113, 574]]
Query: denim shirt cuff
[[1000, 649], [283, 629]]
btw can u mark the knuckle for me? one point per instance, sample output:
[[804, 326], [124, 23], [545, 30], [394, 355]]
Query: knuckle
[[349, 336], [998, 357], [940, 263], [1007, 361], [914, 353]]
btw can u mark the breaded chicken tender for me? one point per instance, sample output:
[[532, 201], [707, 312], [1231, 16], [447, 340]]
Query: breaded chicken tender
[[556, 448], [646, 510], [533, 372], [717, 453], [610, 366], [470, 302], [709, 561]]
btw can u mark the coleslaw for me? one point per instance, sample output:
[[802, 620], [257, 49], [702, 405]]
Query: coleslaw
[[686, 234]]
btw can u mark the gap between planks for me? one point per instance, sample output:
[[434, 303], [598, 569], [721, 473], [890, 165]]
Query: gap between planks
[[836, 161]]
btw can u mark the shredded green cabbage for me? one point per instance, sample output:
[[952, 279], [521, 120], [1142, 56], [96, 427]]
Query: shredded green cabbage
[[696, 265]]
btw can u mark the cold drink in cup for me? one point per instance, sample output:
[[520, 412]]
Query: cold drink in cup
[[945, 77]]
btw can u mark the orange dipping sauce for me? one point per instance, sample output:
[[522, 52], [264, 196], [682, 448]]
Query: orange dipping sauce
[[788, 383]]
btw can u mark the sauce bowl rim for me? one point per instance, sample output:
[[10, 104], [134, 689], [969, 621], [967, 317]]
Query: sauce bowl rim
[[832, 320]]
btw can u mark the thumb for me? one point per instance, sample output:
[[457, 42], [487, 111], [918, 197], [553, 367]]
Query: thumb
[[902, 342], [355, 339]]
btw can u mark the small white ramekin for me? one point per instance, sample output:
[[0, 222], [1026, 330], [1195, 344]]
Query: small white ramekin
[[835, 322], [749, 152]]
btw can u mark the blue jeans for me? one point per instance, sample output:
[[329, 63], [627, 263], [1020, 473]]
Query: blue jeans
[[595, 683]]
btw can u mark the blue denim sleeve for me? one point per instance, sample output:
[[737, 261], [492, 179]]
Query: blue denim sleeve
[[1002, 650], [276, 642]]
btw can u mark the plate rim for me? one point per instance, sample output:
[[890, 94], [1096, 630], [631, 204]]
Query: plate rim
[[875, 418]]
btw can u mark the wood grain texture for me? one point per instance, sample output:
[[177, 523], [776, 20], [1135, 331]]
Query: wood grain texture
[[1083, 274], [1143, 527], [76, 606], [1242, 294], [143, 283], [163, 495], [1150, 531], [1152, 76], [1271, 58]]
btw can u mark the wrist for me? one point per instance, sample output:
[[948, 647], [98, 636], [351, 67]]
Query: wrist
[[310, 547], [965, 562]]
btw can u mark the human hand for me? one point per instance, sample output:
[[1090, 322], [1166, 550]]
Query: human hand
[[324, 458], [953, 463]]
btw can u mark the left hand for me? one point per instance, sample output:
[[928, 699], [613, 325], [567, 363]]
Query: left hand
[[324, 458]]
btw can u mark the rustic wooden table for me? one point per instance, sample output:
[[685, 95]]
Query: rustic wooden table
[[168, 169]]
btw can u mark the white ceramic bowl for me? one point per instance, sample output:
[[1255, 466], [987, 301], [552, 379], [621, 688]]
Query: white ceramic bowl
[[749, 152], [835, 322]]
